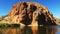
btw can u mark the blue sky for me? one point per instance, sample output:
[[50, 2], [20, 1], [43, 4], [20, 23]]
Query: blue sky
[[52, 5]]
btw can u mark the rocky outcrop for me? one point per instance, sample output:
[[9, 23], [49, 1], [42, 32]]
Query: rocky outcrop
[[31, 13], [4, 19], [57, 21]]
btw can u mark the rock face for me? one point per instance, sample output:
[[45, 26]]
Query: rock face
[[57, 21], [4, 19], [31, 13]]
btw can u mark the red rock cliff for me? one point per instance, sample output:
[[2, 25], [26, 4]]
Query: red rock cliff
[[31, 13]]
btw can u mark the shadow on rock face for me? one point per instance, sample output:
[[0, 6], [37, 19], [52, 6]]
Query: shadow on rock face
[[42, 20], [26, 20]]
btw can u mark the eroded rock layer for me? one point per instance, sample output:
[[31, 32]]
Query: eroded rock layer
[[31, 13]]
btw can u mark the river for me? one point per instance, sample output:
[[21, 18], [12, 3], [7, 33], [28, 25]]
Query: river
[[31, 30]]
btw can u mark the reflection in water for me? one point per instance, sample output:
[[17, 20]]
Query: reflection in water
[[46, 30], [38, 30], [9, 31], [30, 30], [26, 30]]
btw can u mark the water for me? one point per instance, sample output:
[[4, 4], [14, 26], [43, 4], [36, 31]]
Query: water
[[31, 30]]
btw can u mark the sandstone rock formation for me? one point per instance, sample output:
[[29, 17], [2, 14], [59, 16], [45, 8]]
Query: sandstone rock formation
[[31, 13], [57, 21], [4, 19]]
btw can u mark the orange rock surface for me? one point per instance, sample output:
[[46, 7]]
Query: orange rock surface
[[29, 13]]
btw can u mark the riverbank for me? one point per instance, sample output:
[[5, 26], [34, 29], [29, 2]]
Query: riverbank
[[9, 25]]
